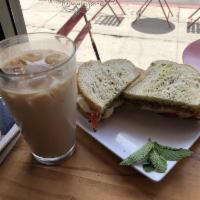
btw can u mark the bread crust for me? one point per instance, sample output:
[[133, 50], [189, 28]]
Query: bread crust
[[130, 97], [91, 104]]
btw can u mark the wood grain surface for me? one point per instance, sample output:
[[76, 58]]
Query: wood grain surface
[[93, 173]]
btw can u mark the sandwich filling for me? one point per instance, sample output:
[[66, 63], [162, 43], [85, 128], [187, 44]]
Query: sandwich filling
[[94, 115], [173, 110], [169, 88]]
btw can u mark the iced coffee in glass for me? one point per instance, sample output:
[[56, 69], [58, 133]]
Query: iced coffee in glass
[[38, 84]]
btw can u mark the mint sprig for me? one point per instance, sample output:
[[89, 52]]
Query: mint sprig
[[140, 156], [154, 156], [159, 162], [172, 154], [148, 167]]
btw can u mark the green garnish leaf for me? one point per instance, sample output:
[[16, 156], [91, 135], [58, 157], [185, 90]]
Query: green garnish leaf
[[159, 162], [154, 156], [148, 167], [172, 154], [139, 156]]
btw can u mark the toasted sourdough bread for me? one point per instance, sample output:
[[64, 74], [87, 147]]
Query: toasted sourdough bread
[[167, 87], [101, 83]]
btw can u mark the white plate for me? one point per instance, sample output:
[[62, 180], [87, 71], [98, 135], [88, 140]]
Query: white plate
[[128, 129]]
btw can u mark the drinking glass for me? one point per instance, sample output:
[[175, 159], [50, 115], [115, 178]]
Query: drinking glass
[[38, 84]]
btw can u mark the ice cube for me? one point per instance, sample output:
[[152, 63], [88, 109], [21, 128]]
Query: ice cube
[[55, 58], [15, 66], [32, 56]]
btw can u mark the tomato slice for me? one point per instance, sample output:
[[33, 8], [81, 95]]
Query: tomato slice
[[172, 114], [95, 117]]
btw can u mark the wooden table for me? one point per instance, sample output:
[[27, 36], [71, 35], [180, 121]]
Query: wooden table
[[93, 173]]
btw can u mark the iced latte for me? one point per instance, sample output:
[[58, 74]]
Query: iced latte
[[39, 88]]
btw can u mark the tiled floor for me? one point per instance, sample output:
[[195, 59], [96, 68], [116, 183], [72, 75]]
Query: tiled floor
[[147, 40]]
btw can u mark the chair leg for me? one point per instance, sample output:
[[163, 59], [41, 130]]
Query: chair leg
[[94, 47], [99, 10], [193, 13], [164, 14], [93, 42], [120, 7], [142, 9], [193, 22], [143, 5], [168, 8], [108, 1]]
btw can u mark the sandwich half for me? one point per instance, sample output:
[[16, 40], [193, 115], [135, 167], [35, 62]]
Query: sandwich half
[[169, 88], [100, 86]]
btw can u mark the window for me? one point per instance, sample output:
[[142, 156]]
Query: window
[[11, 19]]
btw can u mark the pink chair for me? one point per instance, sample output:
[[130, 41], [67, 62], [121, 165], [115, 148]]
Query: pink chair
[[191, 54], [70, 24]]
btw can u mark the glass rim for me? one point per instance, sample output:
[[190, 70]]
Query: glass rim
[[56, 66]]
